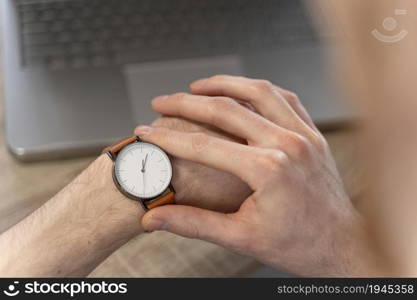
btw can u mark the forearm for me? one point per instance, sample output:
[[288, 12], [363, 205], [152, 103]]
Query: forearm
[[74, 231], [89, 219]]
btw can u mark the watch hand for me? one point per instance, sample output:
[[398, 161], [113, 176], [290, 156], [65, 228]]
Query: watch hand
[[144, 164], [144, 182]]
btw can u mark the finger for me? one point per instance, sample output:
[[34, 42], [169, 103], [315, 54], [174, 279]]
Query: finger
[[185, 125], [297, 106], [213, 152], [263, 95], [196, 223], [222, 112]]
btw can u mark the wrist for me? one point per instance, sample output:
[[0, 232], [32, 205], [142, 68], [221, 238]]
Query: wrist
[[360, 255], [89, 216], [106, 200]]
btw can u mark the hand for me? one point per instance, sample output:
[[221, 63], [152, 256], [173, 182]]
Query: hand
[[298, 218], [198, 185]]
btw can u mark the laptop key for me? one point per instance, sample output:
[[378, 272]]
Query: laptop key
[[35, 28], [78, 48], [101, 61], [97, 47], [85, 36], [67, 15], [57, 26], [64, 37], [48, 15], [79, 62], [37, 39], [29, 16], [156, 29], [45, 50], [57, 63]]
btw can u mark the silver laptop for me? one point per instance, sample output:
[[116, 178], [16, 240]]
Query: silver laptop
[[80, 74]]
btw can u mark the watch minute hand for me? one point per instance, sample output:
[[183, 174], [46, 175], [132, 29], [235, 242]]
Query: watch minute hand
[[144, 164]]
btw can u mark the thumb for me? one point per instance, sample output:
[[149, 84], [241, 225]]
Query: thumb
[[192, 222]]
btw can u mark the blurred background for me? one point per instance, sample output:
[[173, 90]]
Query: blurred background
[[79, 74]]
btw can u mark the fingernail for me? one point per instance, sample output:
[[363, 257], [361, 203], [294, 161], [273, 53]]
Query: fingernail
[[143, 130], [160, 98], [199, 83]]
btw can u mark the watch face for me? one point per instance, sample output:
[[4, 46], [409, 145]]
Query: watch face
[[143, 170]]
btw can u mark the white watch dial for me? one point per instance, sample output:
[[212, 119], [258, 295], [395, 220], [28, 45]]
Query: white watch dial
[[143, 170]]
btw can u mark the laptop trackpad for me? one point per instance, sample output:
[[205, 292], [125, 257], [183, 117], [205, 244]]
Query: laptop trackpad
[[148, 80]]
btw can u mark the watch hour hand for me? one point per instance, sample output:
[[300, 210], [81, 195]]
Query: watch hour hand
[[143, 181]]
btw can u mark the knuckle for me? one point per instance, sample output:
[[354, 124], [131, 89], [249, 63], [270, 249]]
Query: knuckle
[[292, 98], [273, 161], [299, 145], [320, 143], [199, 141], [263, 86]]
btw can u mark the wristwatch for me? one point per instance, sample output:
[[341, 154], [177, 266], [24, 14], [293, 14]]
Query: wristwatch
[[142, 172]]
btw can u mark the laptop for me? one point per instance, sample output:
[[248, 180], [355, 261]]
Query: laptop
[[79, 74]]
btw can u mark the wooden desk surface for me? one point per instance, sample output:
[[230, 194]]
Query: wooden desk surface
[[26, 186]]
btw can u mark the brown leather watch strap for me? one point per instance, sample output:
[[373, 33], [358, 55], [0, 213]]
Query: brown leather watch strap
[[164, 200], [119, 145]]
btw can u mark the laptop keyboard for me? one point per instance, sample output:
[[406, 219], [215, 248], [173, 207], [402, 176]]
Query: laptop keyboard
[[61, 34]]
